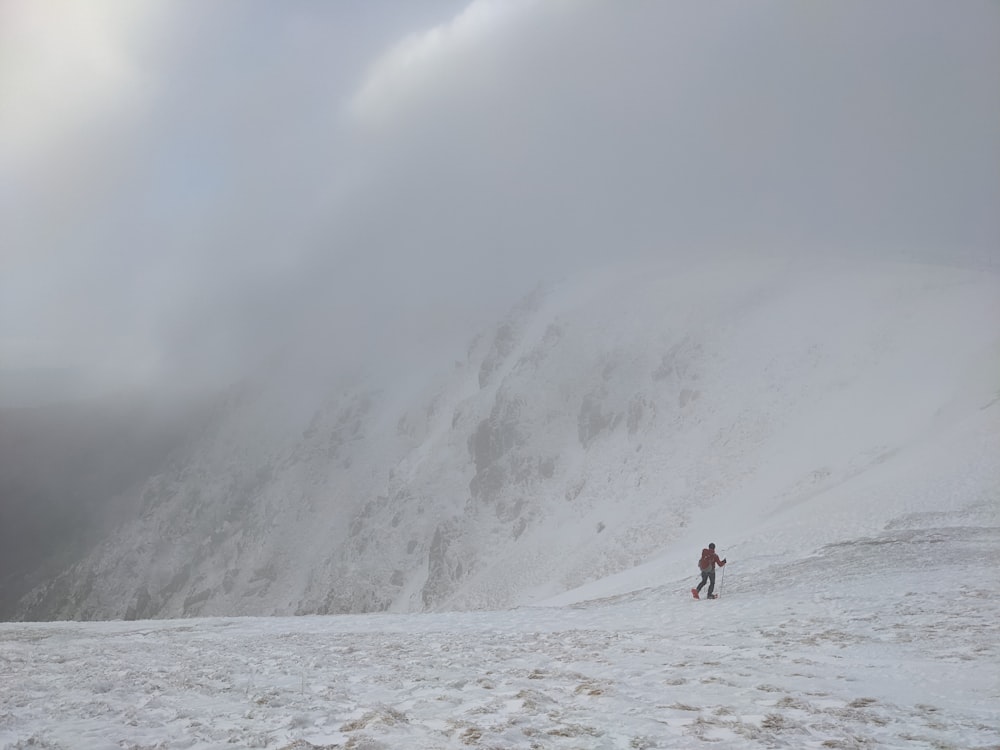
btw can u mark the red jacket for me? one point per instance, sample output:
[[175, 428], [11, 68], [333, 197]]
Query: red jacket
[[709, 560]]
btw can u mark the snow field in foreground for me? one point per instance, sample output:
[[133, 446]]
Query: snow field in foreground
[[889, 641]]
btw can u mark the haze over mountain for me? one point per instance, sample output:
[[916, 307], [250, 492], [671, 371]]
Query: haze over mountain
[[706, 213], [189, 192], [604, 421]]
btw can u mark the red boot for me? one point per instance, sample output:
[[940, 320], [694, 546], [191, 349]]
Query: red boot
[[694, 593]]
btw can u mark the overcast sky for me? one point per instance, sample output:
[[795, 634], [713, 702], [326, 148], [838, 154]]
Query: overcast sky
[[187, 189]]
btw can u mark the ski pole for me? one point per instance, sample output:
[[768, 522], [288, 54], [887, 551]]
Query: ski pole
[[722, 580]]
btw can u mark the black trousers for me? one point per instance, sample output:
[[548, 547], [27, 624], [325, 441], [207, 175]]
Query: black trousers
[[707, 576]]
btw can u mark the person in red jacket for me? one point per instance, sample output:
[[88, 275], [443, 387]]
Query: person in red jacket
[[707, 565]]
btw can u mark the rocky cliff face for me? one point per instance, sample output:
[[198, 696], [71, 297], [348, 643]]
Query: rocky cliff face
[[583, 434]]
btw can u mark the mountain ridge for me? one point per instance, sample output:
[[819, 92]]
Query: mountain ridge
[[592, 430]]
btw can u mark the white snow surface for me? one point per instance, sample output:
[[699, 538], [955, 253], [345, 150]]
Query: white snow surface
[[889, 641]]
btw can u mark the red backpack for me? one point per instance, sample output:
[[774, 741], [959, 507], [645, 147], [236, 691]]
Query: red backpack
[[706, 559]]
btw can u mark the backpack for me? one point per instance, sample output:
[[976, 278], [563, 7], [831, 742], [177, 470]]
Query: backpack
[[705, 561]]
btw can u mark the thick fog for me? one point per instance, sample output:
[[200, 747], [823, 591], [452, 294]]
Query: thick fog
[[189, 191]]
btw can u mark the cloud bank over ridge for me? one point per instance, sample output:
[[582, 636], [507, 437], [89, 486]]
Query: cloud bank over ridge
[[191, 191]]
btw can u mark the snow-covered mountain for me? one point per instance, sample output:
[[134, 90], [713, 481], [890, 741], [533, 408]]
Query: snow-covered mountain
[[610, 422]]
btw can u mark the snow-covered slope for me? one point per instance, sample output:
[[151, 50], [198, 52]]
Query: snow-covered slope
[[889, 642], [610, 422]]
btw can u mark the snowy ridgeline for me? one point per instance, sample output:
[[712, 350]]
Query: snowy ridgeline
[[887, 641], [606, 423]]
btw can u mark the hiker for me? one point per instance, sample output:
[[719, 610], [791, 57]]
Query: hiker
[[707, 565]]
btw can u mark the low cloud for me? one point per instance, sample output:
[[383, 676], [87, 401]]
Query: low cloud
[[430, 59], [191, 192]]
